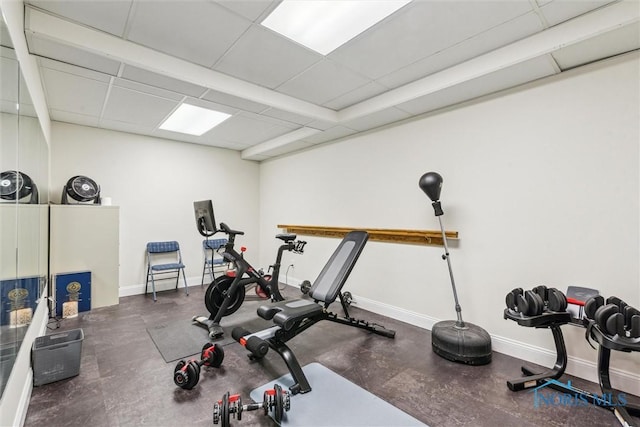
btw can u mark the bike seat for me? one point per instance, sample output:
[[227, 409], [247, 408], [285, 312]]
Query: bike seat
[[286, 237]]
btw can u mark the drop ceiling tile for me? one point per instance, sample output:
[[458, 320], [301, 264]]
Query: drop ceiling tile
[[72, 69], [247, 130], [211, 140], [7, 52], [612, 43], [377, 119], [71, 55], [78, 119], [558, 11], [10, 82], [174, 136], [25, 96], [28, 110], [8, 107], [151, 90], [321, 124], [5, 38], [330, 134], [503, 79], [125, 127], [289, 148], [261, 56], [234, 101], [323, 82], [198, 31], [72, 93], [137, 108], [421, 29], [153, 79], [250, 9], [360, 94], [286, 116], [501, 35], [273, 120], [211, 105], [109, 16], [238, 146]]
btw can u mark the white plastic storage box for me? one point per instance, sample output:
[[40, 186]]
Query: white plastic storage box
[[56, 357]]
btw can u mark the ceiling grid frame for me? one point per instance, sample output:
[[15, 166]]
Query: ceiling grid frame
[[603, 17]]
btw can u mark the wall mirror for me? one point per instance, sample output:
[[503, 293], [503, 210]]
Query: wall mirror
[[24, 190]]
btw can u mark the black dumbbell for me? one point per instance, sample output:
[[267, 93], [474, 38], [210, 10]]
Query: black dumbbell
[[614, 316], [554, 300], [187, 374], [529, 303], [275, 399]]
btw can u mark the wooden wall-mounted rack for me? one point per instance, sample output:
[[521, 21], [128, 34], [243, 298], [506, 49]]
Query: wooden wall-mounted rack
[[420, 237]]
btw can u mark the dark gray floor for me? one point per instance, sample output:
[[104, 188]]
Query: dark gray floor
[[124, 381]]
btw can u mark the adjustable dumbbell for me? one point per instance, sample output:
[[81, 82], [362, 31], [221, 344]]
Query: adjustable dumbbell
[[187, 374], [536, 301], [528, 303], [275, 399], [554, 300], [613, 316]]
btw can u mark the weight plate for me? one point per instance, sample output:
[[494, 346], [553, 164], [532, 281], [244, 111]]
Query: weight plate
[[224, 416], [216, 413], [279, 404], [218, 356]]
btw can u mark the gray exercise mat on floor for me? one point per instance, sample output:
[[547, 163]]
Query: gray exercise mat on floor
[[183, 339], [335, 401], [178, 340]]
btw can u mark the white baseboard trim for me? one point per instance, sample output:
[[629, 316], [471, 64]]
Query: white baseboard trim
[[25, 398], [163, 285], [628, 382]]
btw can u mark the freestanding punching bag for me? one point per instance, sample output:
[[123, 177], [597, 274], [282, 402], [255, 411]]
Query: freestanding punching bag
[[454, 340]]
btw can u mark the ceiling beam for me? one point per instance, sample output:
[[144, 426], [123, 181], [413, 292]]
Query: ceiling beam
[[267, 147]]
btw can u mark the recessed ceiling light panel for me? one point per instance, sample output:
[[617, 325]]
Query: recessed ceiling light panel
[[193, 120], [324, 25]]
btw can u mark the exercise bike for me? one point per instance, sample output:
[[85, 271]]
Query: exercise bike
[[225, 295]]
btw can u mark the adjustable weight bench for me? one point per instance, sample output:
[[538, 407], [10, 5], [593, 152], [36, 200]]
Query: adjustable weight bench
[[292, 317]]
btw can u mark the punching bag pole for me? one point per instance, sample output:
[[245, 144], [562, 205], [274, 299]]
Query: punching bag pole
[[457, 341], [437, 208]]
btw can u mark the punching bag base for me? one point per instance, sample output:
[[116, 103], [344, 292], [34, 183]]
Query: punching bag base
[[469, 344]]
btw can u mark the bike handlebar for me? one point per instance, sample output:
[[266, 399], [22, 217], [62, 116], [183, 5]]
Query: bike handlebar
[[225, 228], [298, 246]]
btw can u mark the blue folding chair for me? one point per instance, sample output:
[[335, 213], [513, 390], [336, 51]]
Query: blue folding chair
[[164, 258], [212, 259]]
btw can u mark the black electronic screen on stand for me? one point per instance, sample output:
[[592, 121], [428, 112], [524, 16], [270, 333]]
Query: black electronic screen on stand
[[205, 218]]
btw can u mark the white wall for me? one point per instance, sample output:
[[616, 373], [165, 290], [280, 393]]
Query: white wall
[[155, 182], [541, 182]]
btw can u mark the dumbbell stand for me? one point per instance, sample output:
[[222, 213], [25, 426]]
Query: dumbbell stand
[[553, 321], [606, 344]]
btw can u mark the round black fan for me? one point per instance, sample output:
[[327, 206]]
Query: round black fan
[[82, 189], [15, 185]]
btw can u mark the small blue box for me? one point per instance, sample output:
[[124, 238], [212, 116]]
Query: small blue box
[[73, 290]]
